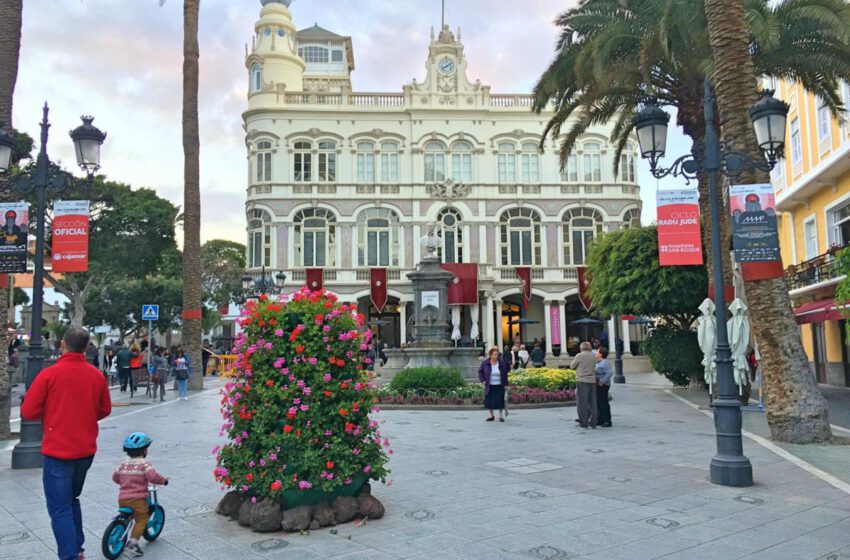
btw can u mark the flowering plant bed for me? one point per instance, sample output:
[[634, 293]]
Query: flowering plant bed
[[297, 409], [470, 395], [549, 379]]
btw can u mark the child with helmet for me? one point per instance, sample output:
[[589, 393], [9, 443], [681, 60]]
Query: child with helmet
[[133, 475]]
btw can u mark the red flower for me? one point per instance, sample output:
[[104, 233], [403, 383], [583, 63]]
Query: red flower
[[276, 485], [329, 464], [249, 477], [269, 383], [328, 394], [343, 412], [319, 318], [287, 428], [343, 385], [263, 297], [272, 322], [262, 323], [299, 348]]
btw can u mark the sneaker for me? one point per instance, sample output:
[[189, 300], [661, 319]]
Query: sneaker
[[133, 551]]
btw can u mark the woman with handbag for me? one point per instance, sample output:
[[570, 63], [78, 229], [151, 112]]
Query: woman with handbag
[[159, 373], [181, 372]]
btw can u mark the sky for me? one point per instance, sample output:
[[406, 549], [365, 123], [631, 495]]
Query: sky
[[121, 61]]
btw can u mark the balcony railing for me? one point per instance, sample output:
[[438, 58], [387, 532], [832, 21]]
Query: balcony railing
[[486, 272], [813, 271]]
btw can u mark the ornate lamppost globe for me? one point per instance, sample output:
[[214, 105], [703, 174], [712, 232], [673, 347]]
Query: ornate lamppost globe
[[284, 2]]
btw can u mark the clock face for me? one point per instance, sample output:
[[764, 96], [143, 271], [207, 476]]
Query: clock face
[[447, 66]]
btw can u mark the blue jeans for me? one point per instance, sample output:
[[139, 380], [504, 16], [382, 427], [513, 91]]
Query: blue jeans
[[63, 484], [182, 387]]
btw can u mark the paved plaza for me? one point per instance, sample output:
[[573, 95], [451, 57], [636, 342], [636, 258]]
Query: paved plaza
[[534, 487]]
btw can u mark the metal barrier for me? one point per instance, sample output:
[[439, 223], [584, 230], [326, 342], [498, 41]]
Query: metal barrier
[[222, 365]]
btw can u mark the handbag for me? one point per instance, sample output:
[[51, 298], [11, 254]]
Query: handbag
[[182, 374]]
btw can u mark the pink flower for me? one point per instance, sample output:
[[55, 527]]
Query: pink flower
[[367, 469], [278, 332], [326, 377], [303, 485]]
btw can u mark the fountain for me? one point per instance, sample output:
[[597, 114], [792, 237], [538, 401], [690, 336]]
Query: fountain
[[431, 328]]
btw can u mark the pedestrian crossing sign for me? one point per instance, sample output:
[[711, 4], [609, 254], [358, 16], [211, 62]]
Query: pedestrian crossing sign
[[150, 312]]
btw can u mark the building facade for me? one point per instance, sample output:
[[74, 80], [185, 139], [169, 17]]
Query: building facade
[[348, 181], [812, 186]]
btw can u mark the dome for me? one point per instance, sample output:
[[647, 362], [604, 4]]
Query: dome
[[284, 2]]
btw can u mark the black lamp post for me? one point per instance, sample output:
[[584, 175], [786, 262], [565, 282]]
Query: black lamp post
[[41, 181], [264, 283], [729, 466], [618, 352]]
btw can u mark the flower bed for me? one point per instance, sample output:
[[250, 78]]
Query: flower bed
[[550, 379], [473, 395]]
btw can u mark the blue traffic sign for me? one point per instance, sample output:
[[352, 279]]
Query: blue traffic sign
[[150, 312]]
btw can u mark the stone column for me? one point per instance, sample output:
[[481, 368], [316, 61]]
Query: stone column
[[403, 321], [547, 321], [488, 322], [612, 336], [627, 348], [499, 340]]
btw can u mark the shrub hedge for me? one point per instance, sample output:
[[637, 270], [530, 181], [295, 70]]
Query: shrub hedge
[[675, 354], [427, 378]]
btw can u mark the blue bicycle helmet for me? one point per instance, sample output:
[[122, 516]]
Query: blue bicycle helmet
[[137, 440]]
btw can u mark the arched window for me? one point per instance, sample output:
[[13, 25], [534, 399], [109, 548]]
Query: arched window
[[377, 237], [315, 237], [581, 226], [313, 53], [627, 164], [530, 163], [435, 162], [303, 162], [263, 161], [569, 173], [462, 162], [389, 162], [365, 162], [256, 77], [592, 162], [520, 237], [259, 239], [451, 233], [506, 161], [631, 217], [327, 161]]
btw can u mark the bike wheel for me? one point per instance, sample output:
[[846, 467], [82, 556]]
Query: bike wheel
[[115, 538], [155, 523]]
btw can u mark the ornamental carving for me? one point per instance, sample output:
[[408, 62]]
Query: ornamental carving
[[448, 190]]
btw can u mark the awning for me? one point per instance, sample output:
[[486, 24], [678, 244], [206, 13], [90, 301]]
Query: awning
[[818, 312]]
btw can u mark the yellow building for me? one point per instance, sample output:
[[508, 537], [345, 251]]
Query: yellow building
[[812, 187]]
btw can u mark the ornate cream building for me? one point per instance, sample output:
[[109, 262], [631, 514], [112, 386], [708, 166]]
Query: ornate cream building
[[347, 180]]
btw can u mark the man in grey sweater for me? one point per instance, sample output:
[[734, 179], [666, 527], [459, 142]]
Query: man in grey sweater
[[584, 365]]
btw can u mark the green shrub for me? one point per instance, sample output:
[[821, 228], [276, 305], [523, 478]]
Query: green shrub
[[675, 354], [427, 378]]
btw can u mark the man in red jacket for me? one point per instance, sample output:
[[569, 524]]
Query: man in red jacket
[[69, 398]]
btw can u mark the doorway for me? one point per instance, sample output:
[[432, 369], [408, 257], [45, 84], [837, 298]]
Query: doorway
[[819, 351]]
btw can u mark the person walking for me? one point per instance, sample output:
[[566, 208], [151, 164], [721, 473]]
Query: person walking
[[493, 373], [122, 361], [108, 364], [181, 372], [159, 373], [603, 385], [69, 398], [584, 365]]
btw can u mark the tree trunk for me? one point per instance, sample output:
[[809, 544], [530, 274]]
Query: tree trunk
[[796, 409], [11, 19], [191, 195]]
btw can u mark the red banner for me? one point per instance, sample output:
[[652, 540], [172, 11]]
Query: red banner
[[583, 287], [463, 290], [70, 236], [524, 274], [315, 278], [679, 238], [378, 287]]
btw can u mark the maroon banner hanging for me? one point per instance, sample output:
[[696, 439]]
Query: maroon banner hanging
[[524, 274], [378, 287], [463, 290], [314, 278], [583, 287]]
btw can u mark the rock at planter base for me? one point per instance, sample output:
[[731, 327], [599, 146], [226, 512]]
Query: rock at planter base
[[324, 515], [365, 489], [266, 516], [370, 507], [244, 517], [345, 508], [297, 519], [314, 525], [230, 504]]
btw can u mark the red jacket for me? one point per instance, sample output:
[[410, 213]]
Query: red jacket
[[69, 398]]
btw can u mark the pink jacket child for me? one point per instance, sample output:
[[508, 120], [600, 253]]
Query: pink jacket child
[[134, 475]]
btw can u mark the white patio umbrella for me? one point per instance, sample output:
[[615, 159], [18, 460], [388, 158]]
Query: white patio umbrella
[[739, 338], [473, 331], [456, 323], [707, 337]]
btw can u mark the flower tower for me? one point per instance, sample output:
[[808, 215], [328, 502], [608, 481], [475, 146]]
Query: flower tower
[[297, 416]]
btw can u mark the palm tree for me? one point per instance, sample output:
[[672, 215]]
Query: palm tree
[[614, 54], [11, 19], [796, 409]]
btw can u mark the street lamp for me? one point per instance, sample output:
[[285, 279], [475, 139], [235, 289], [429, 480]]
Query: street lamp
[[265, 283], [43, 178], [7, 144], [729, 466]]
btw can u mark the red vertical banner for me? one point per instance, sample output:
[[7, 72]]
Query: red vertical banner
[[524, 274], [584, 287], [314, 278], [463, 290], [679, 238], [755, 237], [378, 287], [70, 236]]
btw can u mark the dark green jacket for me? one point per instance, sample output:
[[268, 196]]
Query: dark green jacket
[[122, 360]]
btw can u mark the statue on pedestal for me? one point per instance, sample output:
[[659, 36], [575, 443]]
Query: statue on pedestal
[[429, 243]]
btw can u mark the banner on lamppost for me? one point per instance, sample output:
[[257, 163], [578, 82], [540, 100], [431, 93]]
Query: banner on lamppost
[[679, 238], [754, 234], [555, 323], [70, 239], [13, 249]]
